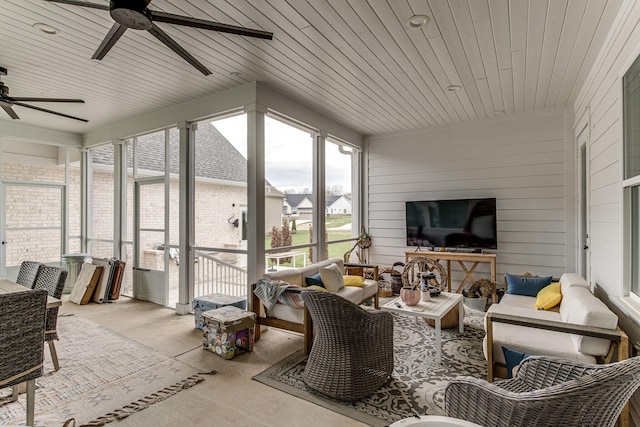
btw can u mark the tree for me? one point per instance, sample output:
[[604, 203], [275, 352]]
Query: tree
[[276, 237], [286, 237]]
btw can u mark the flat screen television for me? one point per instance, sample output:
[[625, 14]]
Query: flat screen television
[[461, 223]]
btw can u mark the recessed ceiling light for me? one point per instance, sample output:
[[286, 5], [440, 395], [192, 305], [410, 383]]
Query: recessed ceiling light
[[47, 29], [499, 112], [417, 21], [235, 73], [454, 88]]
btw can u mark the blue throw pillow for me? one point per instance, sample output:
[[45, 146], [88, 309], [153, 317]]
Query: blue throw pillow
[[526, 285], [512, 359], [314, 280]]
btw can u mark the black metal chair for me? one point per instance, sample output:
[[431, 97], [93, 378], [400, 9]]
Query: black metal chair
[[52, 279], [547, 392], [27, 273], [352, 353], [22, 322]]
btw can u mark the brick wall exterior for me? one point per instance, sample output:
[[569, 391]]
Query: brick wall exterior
[[34, 206]]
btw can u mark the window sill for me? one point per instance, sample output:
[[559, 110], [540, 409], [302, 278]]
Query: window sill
[[631, 307]]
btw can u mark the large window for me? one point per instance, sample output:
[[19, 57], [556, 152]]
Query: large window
[[220, 198], [631, 125], [288, 164], [339, 170]]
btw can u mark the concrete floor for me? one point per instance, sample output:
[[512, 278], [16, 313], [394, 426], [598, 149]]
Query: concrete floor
[[229, 398]]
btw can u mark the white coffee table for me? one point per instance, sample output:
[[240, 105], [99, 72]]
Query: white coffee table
[[434, 309], [433, 421]]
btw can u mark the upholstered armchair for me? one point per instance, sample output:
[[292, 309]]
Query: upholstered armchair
[[548, 392], [352, 352]]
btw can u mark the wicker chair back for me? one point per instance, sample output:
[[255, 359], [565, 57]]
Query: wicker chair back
[[352, 354]]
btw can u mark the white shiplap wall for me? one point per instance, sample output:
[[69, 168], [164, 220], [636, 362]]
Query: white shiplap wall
[[519, 159], [602, 97]]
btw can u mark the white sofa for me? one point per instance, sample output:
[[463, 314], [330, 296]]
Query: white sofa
[[297, 319], [582, 330]]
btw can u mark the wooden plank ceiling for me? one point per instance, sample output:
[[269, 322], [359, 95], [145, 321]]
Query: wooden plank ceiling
[[355, 61]]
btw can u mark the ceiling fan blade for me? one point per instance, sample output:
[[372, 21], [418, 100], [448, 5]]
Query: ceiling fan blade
[[170, 18], [7, 107], [110, 39], [49, 111], [81, 3], [13, 98], [174, 46]]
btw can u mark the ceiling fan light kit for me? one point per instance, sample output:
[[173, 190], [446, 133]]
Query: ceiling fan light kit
[[135, 15]]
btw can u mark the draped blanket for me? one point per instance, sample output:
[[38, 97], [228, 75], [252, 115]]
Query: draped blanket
[[271, 292]]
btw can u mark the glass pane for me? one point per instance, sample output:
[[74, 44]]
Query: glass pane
[[288, 170], [150, 154], [174, 217], [174, 187], [101, 249], [74, 245], [74, 203], [41, 245], [339, 169], [33, 206], [102, 192], [152, 250], [152, 207], [127, 281], [221, 185], [635, 240], [130, 193], [631, 106]]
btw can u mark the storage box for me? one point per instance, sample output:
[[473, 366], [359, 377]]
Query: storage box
[[228, 331], [213, 301]]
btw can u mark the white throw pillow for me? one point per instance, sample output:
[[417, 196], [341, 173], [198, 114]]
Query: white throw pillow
[[332, 277]]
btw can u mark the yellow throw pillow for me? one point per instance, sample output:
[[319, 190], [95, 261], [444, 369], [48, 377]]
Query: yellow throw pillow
[[317, 288], [353, 281], [548, 297]]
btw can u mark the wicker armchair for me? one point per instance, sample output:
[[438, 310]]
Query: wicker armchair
[[22, 320], [52, 279], [27, 273], [352, 354], [547, 392]]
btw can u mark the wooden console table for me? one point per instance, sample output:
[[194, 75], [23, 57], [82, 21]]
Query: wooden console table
[[461, 257]]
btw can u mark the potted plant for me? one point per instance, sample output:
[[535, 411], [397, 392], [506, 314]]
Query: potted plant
[[478, 294]]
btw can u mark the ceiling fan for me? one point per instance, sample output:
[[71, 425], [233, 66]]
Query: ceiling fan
[[7, 102], [135, 15]]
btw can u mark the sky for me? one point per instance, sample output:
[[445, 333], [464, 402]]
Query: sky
[[288, 155]]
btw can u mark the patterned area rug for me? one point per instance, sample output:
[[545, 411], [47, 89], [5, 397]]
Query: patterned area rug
[[418, 383], [101, 372]]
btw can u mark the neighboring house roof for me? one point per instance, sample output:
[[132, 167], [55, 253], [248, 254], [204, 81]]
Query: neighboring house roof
[[329, 200], [294, 200], [216, 157]]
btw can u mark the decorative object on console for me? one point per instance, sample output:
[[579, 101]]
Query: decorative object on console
[[478, 294], [416, 268]]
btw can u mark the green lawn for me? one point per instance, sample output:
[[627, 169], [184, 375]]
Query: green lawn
[[336, 250]]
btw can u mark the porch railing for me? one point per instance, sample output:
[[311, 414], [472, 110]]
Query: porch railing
[[215, 275]]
